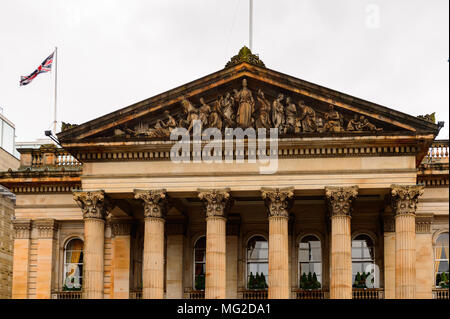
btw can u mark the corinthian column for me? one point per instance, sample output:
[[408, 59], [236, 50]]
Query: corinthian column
[[94, 207], [217, 203], [278, 202], [404, 204], [155, 209], [340, 204]]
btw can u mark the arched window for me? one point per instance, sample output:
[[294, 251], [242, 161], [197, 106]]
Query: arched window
[[257, 262], [363, 255], [441, 268], [73, 265], [310, 263], [200, 263]]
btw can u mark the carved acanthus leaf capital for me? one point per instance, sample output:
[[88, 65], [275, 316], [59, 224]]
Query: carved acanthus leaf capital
[[340, 199], [278, 201], [217, 201], [22, 228], [155, 202], [405, 198], [93, 204]]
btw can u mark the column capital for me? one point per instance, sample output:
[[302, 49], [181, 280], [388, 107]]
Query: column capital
[[217, 201], [120, 227], [405, 198], [155, 202], [278, 201], [93, 204], [423, 224], [22, 228], [340, 199], [46, 228]]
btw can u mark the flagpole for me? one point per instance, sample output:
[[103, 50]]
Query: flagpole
[[56, 86], [250, 27]]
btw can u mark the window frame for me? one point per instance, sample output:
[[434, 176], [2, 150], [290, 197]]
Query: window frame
[[247, 261], [299, 262], [194, 262], [65, 263], [440, 259], [362, 260]]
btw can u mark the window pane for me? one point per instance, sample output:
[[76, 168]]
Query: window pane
[[304, 255], [443, 266], [200, 255], [316, 254]]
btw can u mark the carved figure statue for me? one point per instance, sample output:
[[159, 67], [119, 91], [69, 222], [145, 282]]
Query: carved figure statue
[[246, 106], [291, 115], [204, 112], [333, 120], [161, 128], [307, 118], [367, 126], [278, 112], [354, 124], [214, 119], [263, 117], [192, 114], [226, 105]]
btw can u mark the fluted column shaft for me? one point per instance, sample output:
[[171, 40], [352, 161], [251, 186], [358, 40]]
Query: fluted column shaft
[[155, 209], [278, 203], [341, 258], [153, 263], [215, 281], [94, 206], [340, 201], [405, 256], [278, 258], [404, 202], [93, 258], [217, 203]]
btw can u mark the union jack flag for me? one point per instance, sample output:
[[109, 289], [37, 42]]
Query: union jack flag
[[45, 66]]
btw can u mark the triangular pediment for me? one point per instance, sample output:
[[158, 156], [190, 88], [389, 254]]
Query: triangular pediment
[[247, 95]]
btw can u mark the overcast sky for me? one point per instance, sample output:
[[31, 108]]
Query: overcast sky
[[115, 53]]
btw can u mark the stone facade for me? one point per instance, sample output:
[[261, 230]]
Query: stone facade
[[154, 228], [7, 201]]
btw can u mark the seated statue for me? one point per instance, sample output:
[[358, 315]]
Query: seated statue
[[307, 118], [333, 120], [354, 125]]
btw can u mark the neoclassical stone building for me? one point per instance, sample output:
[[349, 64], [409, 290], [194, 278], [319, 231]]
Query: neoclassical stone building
[[357, 206]]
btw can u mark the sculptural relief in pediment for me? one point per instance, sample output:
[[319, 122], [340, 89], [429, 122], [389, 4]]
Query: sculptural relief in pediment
[[244, 108]]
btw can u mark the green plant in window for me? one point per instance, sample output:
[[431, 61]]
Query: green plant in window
[[315, 282], [303, 281], [251, 281], [444, 281], [200, 282], [263, 283]]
